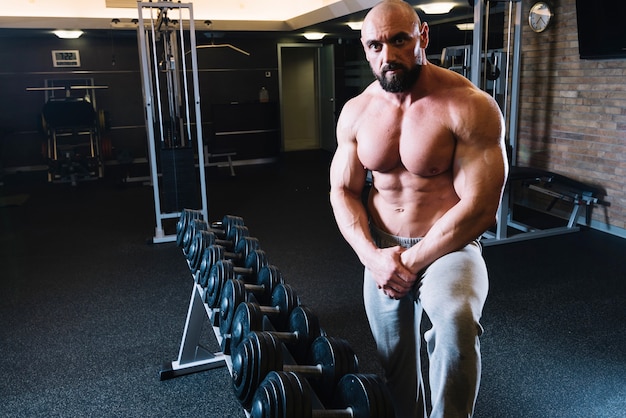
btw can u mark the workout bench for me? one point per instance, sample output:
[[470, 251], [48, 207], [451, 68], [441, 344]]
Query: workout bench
[[557, 189], [221, 155]]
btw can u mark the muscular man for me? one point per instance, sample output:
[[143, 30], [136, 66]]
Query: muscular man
[[434, 145]]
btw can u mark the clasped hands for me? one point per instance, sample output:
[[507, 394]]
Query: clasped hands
[[391, 274]]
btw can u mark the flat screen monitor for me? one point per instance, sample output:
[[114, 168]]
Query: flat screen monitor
[[601, 28]]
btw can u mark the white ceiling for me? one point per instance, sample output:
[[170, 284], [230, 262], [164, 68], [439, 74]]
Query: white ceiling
[[266, 15]]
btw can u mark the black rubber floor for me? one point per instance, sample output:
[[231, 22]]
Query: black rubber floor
[[89, 310]]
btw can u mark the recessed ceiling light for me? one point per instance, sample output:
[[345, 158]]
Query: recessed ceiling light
[[68, 34], [465, 26], [314, 36], [437, 8], [355, 25]]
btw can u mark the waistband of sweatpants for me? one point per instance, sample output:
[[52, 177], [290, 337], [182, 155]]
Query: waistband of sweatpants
[[384, 239]]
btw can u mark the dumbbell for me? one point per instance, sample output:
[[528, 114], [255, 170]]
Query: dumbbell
[[302, 329], [185, 226], [202, 237], [283, 300], [227, 239], [262, 285], [214, 255], [329, 359], [241, 246], [186, 216], [285, 395]]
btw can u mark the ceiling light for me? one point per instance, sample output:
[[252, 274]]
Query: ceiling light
[[355, 25], [68, 34], [314, 36], [437, 8], [465, 26]]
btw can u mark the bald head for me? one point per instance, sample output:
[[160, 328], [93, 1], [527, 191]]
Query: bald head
[[392, 12]]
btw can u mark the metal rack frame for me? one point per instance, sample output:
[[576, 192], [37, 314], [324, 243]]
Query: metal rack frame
[[158, 27]]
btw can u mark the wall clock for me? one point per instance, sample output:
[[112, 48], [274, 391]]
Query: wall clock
[[66, 58], [540, 16]]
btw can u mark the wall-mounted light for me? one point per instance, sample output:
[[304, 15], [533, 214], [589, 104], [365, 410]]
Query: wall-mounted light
[[465, 26], [68, 34], [314, 36], [355, 25], [438, 8]]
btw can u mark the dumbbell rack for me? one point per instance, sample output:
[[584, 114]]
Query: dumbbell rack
[[194, 358]]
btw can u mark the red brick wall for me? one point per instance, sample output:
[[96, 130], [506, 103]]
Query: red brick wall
[[573, 112]]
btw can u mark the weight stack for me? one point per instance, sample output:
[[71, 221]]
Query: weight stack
[[179, 179]]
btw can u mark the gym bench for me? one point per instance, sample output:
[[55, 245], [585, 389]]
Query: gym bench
[[221, 155], [552, 186]]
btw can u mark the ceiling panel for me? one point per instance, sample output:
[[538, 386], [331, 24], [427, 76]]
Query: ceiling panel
[[129, 4]]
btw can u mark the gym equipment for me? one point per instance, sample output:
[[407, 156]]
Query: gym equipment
[[205, 249], [217, 279], [163, 29], [186, 216], [286, 395], [284, 300], [558, 187], [212, 253], [263, 285], [193, 357], [255, 260], [186, 221], [541, 181], [574, 196], [73, 126], [302, 329], [259, 353], [199, 225]]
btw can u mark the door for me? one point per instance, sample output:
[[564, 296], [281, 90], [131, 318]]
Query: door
[[306, 83], [327, 98]]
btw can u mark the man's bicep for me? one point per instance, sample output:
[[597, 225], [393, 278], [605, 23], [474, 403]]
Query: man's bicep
[[480, 157], [346, 171], [480, 172]]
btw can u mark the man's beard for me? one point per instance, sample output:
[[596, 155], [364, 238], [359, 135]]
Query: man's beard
[[401, 81]]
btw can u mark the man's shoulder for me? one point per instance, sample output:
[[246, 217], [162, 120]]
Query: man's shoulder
[[458, 91], [450, 82]]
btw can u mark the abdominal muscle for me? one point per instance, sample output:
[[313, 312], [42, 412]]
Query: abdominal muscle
[[407, 205]]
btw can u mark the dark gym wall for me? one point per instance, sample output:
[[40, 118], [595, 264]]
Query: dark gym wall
[[111, 58], [28, 63]]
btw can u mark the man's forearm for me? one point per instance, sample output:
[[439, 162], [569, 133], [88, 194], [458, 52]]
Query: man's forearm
[[459, 226], [352, 220]]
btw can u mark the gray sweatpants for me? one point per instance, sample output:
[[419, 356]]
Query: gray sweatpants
[[452, 292]]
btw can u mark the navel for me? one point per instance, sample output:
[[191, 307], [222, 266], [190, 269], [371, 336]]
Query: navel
[[399, 210]]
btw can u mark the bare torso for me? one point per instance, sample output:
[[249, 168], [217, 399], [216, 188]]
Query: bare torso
[[410, 147]]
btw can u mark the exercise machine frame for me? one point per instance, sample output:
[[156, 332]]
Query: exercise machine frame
[[158, 25]]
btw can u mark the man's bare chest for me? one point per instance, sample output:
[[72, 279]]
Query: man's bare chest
[[420, 145]]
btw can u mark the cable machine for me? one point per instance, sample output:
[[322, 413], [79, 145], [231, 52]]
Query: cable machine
[[510, 102], [171, 111], [545, 192], [478, 75]]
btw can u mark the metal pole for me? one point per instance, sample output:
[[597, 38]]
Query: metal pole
[[515, 83], [196, 96], [149, 117], [479, 9]]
